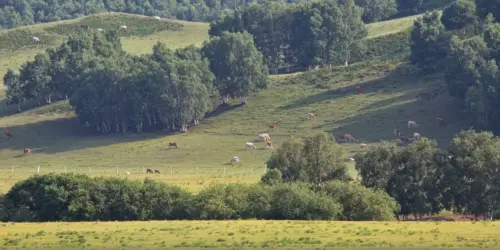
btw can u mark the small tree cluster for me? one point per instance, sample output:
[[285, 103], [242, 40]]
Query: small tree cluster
[[317, 159], [425, 180], [113, 91], [76, 197], [298, 36]]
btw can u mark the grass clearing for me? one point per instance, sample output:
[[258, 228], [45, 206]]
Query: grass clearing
[[250, 234]]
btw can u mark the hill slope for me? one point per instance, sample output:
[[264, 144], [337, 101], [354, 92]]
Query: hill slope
[[59, 142]]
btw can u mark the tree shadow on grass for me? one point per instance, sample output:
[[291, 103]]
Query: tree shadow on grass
[[392, 82], [66, 134]]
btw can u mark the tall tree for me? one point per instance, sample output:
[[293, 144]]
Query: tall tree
[[459, 14], [238, 66], [376, 10]]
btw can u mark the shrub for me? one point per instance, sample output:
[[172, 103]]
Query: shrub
[[272, 177], [383, 46], [361, 203], [295, 201]]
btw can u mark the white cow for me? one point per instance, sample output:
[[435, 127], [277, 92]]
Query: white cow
[[127, 173], [235, 159], [263, 137], [416, 136], [412, 124], [123, 27], [99, 29], [350, 159], [36, 39], [156, 18], [249, 145]]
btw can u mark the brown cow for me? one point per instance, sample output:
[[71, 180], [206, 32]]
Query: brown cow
[[157, 171], [172, 144], [347, 137], [27, 151], [273, 127], [311, 116], [269, 144], [149, 171]]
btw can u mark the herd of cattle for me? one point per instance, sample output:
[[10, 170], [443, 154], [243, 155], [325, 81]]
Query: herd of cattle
[[7, 134], [86, 26]]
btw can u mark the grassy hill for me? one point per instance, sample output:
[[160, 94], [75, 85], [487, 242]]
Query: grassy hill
[[60, 143]]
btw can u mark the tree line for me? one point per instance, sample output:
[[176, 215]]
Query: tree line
[[78, 197], [463, 43], [111, 90], [423, 179], [16, 13]]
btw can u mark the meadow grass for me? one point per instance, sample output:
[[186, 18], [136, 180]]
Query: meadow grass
[[250, 234]]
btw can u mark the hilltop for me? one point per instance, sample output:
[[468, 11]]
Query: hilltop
[[58, 141]]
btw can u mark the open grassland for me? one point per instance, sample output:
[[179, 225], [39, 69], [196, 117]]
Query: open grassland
[[60, 143], [253, 234], [57, 139]]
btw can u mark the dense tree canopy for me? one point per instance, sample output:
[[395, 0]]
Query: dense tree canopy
[[376, 10], [113, 91]]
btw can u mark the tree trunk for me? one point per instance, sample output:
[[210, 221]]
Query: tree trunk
[[346, 63], [149, 120], [19, 107], [117, 127], [225, 100], [184, 128], [87, 124], [243, 100], [124, 128]]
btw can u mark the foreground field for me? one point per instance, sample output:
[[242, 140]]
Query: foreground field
[[254, 234]]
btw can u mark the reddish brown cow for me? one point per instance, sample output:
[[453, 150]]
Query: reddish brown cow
[[273, 127], [397, 132], [7, 134], [440, 121], [157, 171], [269, 144], [27, 150], [172, 144], [359, 90], [312, 116], [149, 171]]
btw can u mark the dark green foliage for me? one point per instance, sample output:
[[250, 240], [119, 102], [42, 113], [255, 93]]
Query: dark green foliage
[[272, 177], [361, 203], [316, 159], [299, 36], [459, 14], [484, 7], [297, 201], [429, 42], [136, 26], [26, 12], [376, 10], [238, 67], [382, 46]]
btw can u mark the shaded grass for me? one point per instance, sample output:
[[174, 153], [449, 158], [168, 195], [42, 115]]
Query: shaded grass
[[250, 234]]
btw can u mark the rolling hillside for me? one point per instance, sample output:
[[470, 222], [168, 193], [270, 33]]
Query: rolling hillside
[[60, 143]]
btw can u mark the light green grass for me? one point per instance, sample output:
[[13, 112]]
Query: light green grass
[[391, 26], [250, 234]]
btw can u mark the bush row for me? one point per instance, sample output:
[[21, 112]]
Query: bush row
[[382, 46], [73, 197]]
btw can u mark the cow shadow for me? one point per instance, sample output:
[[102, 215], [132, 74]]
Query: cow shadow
[[66, 134]]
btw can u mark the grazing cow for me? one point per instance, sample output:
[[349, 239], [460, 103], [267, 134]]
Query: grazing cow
[[311, 116], [363, 145], [156, 18], [36, 39], [269, 144], [273, 127], [27, 151], [157, 171], [235, 159], [350, 159], [100, 29], [172, 144], [416, 136], [149, 171], [263, 137], [440, 121], [123, 27], [250, 145], [359, 90], [412, 124], [397, 132], [127, 173], [347, 137]]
